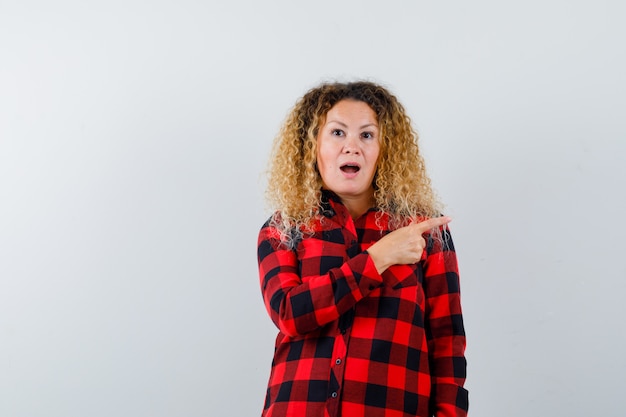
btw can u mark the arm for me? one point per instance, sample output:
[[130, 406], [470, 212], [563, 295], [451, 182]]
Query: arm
[[297, 307], [445, 331]]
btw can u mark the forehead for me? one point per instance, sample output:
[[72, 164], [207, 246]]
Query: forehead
[[352, 110]]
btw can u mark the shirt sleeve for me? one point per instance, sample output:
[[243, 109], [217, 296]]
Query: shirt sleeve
[[298, 307], [444, 329]]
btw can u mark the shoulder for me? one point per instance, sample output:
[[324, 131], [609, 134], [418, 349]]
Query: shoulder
[[279, 234], [439, 240]]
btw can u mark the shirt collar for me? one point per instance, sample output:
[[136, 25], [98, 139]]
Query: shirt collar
[[330, 202], [326, 207]]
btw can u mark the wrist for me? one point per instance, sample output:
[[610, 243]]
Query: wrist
[[379, 260]]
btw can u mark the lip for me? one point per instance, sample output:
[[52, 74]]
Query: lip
[[350, 174]]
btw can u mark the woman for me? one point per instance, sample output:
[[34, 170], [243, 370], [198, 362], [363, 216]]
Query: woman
[[357, 267]]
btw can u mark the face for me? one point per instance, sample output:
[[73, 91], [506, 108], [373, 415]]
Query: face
[[348, 145]]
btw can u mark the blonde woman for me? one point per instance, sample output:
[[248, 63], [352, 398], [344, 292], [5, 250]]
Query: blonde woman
[[357, 267]]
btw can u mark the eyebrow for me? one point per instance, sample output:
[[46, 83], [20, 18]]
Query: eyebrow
[[345, 125]]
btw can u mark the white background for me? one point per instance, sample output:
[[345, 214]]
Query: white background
[[133, 138]]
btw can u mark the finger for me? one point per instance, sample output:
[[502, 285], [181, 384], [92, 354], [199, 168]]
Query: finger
[[430, 224]]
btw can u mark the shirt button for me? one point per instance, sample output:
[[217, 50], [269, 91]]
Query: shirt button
[[338, 361], [334, 394]]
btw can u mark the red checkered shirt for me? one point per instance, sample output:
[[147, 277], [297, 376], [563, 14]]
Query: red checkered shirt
[[352, 342]]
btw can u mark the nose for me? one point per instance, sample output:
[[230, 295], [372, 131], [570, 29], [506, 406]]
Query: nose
[[351, 145]]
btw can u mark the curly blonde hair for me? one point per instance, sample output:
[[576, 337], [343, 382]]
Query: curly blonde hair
[[402, 189]]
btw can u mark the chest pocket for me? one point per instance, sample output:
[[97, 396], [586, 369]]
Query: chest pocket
[[405, 275], [317, 257]]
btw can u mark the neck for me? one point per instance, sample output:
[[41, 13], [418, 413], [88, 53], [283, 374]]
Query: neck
[[357, 206]]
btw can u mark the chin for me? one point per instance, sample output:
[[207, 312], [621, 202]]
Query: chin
[[351, 192]]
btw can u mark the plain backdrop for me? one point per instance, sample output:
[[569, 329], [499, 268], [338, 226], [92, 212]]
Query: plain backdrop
[[133, 139]]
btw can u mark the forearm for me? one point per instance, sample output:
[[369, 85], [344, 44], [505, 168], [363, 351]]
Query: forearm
[[445, 331], [299, 306], [447, 361]]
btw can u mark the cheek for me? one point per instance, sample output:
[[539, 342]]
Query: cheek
[[319, 160], [324, 160], [374, 156]]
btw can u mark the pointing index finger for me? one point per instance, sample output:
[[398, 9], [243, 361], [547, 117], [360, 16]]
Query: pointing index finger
[[433, 223]]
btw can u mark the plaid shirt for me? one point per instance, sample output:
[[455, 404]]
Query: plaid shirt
[[352, 342]]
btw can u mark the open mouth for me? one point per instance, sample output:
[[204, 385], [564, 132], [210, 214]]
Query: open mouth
[[350, 168]]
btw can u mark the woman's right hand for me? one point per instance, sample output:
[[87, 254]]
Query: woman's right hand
[[403, 246]]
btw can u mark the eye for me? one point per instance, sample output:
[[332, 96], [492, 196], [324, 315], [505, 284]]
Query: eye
[[367, 135], [337, 132]]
